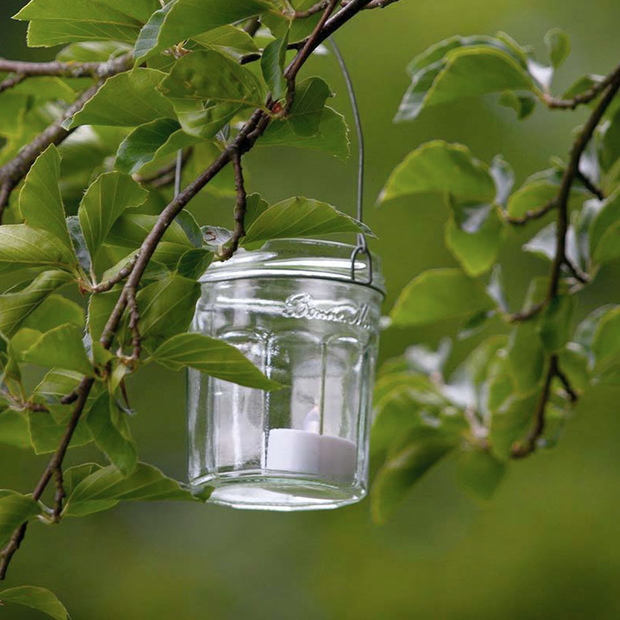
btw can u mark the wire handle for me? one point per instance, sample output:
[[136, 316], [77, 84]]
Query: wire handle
[[362, 243]]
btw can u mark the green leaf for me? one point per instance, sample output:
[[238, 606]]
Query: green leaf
[[463, 67], [60, 348], [531, 197], [208, 76], [53, 22], [504, 178], [575, 364], [605, 230], [404, 407], [100, 307], [480, 473], [477, 251], [149, 142], [129, 231], [127, 100], [194, 263], [111, 433], [511, 421], [47, 429], [36, 598], [526, 357], [40, 201], [15, 509], [255, 206], [606, 341], [523, 105], [14, 429], [229, 39], [558, 44], [609, 146], [167, 307], [554, 326], [441, 167], [304, 117], [53, 312], [104, 202], [183, 19], [332, 136], [272, 66], [58, 383], [403, 470], [212, 357], [300, 217], [92, 51], [437, 295], [15, 308], [105, 487], [22, 246]]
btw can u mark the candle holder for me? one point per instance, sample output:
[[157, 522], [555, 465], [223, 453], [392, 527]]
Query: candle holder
[[293, 309]]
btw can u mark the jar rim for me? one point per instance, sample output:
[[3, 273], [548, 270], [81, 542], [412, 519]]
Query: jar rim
[[302, 258]]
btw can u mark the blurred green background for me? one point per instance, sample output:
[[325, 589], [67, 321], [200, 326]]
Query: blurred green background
[[548, 545]]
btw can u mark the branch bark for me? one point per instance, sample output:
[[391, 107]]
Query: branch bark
[[240, 208]]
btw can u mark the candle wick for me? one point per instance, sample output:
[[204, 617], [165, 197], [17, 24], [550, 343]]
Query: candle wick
[[312, 421]]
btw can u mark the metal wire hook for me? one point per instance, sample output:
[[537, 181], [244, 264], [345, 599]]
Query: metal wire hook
[[362, 243]]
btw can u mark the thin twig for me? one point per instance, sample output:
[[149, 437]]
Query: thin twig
[[529, 445], [60, 494], [590, 186], [240, 208], [585, 97], [11, 81], [108, 285], [254, 56], [532, 214], [568, 388], [313, 10], [580, 275], [526, 315]]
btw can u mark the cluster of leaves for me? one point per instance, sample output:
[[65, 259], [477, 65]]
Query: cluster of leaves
[[514, 392], [75, 225]]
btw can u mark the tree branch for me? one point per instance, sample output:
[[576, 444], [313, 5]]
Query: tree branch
[[585, 97], [243, 142], [54, 464], [571, 173]]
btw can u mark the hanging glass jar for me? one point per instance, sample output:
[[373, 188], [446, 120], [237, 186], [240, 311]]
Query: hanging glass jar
[[294, 310]]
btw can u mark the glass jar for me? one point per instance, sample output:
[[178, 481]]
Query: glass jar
[[294, 311]]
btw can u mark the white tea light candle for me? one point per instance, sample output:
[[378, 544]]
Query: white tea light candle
[[307, 452]]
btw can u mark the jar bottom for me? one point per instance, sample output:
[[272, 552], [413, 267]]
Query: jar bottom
[[259, 490]]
